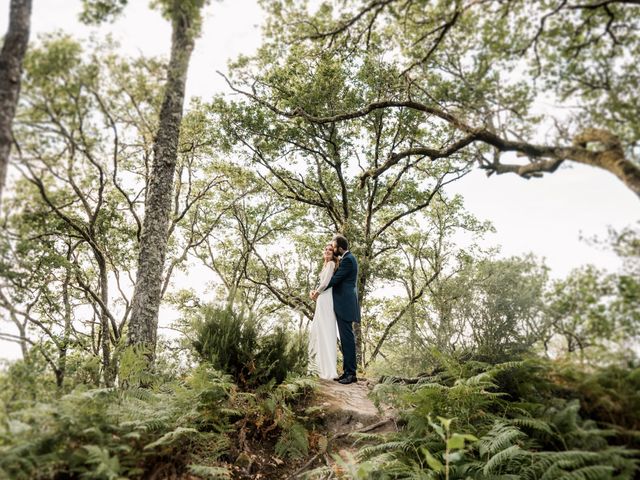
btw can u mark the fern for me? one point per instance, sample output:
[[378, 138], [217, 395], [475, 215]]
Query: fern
[[504, 459], [500, 437], [593, 472], [293, 442], [371, 451], [104, 465], [520, 437], [106, 430], [533, 424]]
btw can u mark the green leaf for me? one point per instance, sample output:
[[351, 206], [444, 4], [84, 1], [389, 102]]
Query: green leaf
[[432, 461], [457, 441], [446, 422]]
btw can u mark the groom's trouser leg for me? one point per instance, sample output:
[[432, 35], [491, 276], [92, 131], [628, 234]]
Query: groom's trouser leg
[[348, 345]]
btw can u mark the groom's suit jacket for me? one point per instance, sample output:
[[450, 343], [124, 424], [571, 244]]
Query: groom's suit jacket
[[345, 293]]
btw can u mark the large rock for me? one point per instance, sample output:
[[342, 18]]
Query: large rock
[[348, 407]]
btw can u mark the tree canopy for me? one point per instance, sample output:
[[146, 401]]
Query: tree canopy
[[547, 81]]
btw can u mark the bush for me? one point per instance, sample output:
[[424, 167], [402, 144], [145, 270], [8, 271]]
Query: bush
[[24, 382], [233, 345]]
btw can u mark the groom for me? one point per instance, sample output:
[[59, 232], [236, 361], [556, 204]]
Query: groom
[[345, 305]]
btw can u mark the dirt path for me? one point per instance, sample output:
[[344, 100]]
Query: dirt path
[[347, 409]]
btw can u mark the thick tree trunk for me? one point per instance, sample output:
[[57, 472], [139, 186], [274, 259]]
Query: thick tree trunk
[[153, 243], [11, 56]]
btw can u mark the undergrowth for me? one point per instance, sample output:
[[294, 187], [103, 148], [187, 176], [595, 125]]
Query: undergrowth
[[510, 421], [199, 427], [120, 433]]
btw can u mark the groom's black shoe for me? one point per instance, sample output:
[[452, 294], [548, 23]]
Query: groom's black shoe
[[347, 379], [337, 379]]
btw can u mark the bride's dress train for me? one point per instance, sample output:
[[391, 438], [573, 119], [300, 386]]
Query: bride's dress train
[[323, 334]]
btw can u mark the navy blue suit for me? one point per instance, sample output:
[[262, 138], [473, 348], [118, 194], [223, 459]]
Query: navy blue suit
[[345, 305]]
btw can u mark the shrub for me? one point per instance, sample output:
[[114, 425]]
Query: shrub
[[232, 344]]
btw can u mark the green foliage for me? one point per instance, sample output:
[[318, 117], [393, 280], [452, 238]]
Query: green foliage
[[95, 12], [232, 343], [25, 381], [594, 313], [610, 395], [465, 419], [280, 355], [109, 433], [293, 442], [511, 431], [71, 224], [133, 368], [277, 416]]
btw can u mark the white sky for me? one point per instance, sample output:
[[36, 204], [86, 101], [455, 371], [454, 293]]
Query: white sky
[[544, 216]]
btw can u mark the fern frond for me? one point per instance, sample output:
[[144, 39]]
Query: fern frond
[[592, 472], [370, 451], [504, 458], [360, 437], [533, 424], [500, 437], [293, 442]]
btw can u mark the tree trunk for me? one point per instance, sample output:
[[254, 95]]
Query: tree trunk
[[362, 282], [108, 370], [143, 325], [22, 332], [64, 345], [11, 56]]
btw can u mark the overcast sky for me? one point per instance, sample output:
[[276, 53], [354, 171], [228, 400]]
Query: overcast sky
[[544, 216]]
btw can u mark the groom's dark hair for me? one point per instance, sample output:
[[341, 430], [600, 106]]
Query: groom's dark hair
[[341, 241]]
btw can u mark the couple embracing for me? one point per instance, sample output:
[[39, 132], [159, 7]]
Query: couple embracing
[[336, 309]]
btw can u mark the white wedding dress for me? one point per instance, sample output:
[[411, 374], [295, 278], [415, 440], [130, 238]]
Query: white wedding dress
[[323, 333]]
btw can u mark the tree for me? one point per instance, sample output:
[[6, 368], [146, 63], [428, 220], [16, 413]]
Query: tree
[[11, 57], [491, 309], [503, 309], [312, 170], [577, 310], [185, 20], [78, 200], [38, 294], [596, 312], [73, 222], [451, 64]]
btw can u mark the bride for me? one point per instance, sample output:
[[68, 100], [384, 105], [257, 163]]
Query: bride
[[323, 332]]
